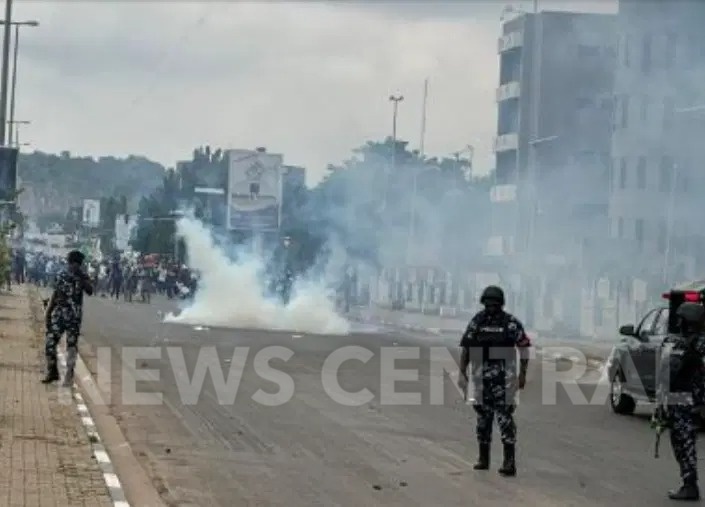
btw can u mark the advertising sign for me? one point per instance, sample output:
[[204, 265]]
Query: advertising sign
[[91, 212], [254, 190], [8, 171]]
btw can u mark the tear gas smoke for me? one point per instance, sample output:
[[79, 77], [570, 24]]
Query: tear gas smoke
[[231, 294]]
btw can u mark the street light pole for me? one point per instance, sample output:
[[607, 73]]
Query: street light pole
[[17, 25], [395, 99], [14, 83], [16, 124], [5, 72]]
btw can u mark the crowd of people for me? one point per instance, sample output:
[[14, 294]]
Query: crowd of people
[[129, 278]]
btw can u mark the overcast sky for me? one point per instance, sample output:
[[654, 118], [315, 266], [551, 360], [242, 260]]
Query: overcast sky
[[308, 80]]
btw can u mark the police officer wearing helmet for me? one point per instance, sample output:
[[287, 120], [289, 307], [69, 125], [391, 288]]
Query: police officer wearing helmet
[[489, 347], [681, 388]]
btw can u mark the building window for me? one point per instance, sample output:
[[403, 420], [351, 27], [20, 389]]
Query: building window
[[646, 54], [620, 227], [666, 172], [641, 173], [624, 120], [623, 173], [639, 230], [644, 108], [668, 112]]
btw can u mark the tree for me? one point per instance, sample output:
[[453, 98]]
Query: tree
[[155, 226], [361, 205], [55, 183]]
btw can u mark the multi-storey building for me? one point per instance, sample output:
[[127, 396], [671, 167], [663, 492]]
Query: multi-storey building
[[553, 131], [657, 142]]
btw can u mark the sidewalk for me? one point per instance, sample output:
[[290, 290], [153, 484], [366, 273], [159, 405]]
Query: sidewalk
[[45, 454]]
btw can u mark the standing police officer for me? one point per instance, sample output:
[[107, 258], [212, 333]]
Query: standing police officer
[[489, 344], [64, 314], [681, 389]]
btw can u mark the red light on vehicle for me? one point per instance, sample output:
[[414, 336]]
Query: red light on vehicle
[[666, 295], [692, 297]]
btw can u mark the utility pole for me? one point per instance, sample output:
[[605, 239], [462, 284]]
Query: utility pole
[[395, 99], [5, 71], [17, 25], [16, 124]]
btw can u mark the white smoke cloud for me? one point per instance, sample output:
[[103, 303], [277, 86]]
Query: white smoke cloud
[[231, 294]]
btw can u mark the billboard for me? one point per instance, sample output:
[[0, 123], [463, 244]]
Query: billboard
[[91, 212], [8, 171], [254, 190]]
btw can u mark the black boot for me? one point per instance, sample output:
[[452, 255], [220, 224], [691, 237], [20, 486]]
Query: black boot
[[51, 376], [509, 467], [483, 462], [688, 491]]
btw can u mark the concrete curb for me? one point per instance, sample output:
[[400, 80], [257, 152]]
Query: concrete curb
[[112, 482]]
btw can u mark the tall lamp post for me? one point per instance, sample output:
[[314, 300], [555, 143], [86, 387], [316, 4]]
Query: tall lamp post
[[5, 71], [17, 25], [15, 124], [395, 99]]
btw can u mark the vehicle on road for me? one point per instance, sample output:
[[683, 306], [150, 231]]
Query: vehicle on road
[[632, 363]]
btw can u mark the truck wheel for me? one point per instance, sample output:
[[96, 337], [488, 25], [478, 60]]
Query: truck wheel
[[620, 402]]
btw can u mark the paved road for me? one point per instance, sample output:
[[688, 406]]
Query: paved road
[[313, 451]]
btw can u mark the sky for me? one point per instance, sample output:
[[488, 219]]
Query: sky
[[310, 80]]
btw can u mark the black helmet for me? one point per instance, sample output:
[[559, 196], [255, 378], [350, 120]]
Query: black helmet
[[492, 293], [692, 313]]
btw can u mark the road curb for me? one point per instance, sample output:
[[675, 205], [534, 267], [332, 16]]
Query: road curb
[[112, 482]]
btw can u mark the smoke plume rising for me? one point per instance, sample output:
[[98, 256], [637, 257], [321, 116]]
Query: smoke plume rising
[[231, 294]]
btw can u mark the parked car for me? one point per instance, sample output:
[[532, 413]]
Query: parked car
[[631, 366]]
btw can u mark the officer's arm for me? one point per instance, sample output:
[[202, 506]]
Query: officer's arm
[[87, 285], [467, 341], [56, 296], [523, 343], [51, 303]]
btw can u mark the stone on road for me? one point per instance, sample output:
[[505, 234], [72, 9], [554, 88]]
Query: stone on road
[[315, 451]]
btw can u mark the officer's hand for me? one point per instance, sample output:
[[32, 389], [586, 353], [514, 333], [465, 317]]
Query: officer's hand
[[462, 381], [522, 380]]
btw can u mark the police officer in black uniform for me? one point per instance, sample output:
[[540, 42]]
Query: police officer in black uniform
[[489, 347], [681, 389]]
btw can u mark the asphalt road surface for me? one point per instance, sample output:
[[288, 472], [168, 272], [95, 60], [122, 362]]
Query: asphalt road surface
[[313, 450]]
